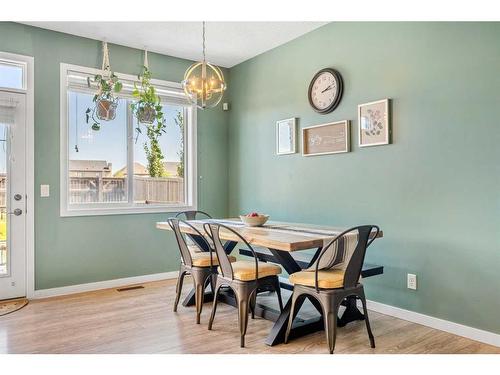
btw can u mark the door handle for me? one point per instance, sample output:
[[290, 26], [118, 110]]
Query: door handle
[[16, 212]]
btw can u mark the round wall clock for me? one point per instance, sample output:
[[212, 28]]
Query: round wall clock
[[325, 90]]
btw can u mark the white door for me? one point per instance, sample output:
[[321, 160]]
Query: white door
[[12, 195]]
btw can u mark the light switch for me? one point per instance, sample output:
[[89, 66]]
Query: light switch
[[44, 191]]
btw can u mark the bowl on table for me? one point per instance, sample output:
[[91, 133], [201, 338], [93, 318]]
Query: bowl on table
[[254, 220]]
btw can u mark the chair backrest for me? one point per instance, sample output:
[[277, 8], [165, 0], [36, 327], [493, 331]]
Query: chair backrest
[[213, 231], [366, 235], [192, 215], [181, 240]]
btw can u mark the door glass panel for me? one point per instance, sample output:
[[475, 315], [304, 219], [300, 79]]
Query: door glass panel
[[11, 75], [12, 196], [3, 201]]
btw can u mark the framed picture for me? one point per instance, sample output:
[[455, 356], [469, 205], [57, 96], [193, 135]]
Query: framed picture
[[374, 123], [285, 136], [330, 138]]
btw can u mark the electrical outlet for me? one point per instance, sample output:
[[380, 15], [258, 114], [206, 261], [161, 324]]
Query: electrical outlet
[[412, 281]]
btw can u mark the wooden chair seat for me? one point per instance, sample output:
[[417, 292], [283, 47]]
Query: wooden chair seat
[[245, 270], [202, 259], [327, 279]]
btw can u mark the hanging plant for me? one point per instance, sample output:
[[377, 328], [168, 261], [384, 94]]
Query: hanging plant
[[105, 99], [149, 112], [148, 107]]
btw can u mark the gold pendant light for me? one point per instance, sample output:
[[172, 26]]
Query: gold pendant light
[[204, 83]]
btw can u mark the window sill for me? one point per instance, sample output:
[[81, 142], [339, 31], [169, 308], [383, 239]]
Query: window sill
[[124, 210]]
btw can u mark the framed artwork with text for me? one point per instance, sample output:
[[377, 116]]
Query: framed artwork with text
[[323, 139]]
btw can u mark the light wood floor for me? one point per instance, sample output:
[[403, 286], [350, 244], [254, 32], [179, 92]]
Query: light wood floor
[[142, 321]]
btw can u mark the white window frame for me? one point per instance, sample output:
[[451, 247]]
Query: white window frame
[[11, 60], [129, 207]]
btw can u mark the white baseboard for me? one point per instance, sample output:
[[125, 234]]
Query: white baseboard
[[430, 321], [72, 289]]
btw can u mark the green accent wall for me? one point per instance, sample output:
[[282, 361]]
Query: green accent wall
[[75, 250], [434, 191]]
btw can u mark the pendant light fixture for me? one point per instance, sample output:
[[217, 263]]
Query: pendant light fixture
[[204, 82]]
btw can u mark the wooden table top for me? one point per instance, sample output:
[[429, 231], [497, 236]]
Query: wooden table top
[[275, 235]]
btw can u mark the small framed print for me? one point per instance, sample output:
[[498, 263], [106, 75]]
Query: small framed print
[[374, 123], [286, 131], [330, 138]]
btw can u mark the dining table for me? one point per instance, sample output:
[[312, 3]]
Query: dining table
[[295, 247]]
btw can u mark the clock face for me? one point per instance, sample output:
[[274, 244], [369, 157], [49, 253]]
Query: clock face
[[325, 90]]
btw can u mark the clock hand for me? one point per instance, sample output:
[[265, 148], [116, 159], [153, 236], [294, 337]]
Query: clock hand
[[328, 88]]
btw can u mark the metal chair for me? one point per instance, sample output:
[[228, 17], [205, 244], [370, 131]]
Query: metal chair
[[242, 277], [192, 215], [200, 264], [330, 286], [195, 215]]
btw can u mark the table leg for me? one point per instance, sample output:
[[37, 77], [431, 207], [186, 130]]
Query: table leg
[[351, 312], [190, 299], [286, 260], [300, 327]]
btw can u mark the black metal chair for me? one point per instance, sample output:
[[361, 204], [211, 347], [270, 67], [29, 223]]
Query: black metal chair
[[242, 277], [330, 286], [193, 215], [199, 264]]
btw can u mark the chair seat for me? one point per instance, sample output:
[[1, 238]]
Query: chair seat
[[245, 270], [327, 279], [202, 259]]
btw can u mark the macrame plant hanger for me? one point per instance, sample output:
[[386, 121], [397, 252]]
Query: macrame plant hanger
[[106, 69], [146, 63], [106, 72]]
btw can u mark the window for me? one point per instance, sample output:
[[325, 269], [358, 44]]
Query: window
[[12, 74], [96, 158], [107, 171]]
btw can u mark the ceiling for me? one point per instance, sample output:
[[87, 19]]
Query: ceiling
[[227, 43]]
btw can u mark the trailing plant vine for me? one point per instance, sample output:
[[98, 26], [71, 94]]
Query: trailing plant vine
[[149, 112], [179, 121], [153, 151]]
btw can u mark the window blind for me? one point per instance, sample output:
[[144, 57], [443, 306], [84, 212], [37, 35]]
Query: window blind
[[7, 111], [79, 81]]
